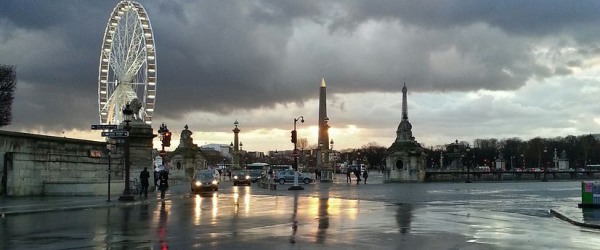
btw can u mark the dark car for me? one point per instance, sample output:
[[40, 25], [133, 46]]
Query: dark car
[[240, 177], [288, 176], [204, 181]]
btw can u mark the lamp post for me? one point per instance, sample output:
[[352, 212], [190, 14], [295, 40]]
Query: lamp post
[[546, 167], [109, 147], [511, 163], [334, 167], [468, 149], [295, 154], [127, 196], [165, 140]]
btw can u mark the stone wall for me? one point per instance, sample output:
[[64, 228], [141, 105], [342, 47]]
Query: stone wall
[[30, 161]]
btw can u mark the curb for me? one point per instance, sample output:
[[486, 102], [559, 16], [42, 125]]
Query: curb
[[574, 222], [114, 203]]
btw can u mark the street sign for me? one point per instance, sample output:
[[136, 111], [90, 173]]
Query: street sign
[[113, 134], [103, 127]]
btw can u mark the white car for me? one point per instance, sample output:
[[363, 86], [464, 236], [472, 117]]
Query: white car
[[288, 176]]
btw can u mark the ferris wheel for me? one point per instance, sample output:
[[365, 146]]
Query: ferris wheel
[[127, 64]]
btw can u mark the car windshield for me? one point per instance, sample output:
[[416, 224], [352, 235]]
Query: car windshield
[[239, 172], [204, 176]]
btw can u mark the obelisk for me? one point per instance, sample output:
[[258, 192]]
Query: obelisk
[[323, 156]]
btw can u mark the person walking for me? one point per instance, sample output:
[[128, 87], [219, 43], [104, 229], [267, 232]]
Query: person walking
[[348, 177], [144, 179], [357, 174], [163, 180], [365, 175]]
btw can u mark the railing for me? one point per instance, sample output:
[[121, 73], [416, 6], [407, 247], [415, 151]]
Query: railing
[[460, 175]]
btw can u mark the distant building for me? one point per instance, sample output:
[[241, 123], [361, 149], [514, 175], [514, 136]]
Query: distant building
[[224, 149]]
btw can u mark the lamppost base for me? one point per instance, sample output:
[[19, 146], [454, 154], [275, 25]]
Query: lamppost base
[[326, 176], [296, 188], [126, 197]]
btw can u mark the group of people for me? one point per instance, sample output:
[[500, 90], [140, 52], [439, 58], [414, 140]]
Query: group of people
[[356, 171], [161, 181]]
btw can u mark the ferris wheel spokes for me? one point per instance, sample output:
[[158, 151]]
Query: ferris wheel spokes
[[127, 64]]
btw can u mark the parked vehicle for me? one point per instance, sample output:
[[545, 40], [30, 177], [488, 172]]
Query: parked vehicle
[[288, 176], [204, 181], [240, 177]]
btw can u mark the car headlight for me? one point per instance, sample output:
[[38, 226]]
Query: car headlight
[[198, 183], [247, 177], [215, 182], [235, 177]]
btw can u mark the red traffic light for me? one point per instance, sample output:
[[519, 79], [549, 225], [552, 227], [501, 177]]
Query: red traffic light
[[294, 136]]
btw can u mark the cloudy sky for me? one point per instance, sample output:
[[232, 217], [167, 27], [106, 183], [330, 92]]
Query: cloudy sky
[[474, 69]]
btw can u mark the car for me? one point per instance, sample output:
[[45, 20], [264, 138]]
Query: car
[[240, 177], [288, 176], [204, 181], [255, 175]]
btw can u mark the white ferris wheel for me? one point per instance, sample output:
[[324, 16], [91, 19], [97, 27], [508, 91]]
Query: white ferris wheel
[[127, 64]]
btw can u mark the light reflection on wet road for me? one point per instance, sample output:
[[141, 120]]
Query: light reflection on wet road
[[339, 216]]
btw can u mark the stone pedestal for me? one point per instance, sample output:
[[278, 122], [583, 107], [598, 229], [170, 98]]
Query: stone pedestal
[[326, 175], [140, 153], [405, 162], [140, 148]]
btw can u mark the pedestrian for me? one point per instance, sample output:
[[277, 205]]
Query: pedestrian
[[348, 178], [357, 174], [156, 174], [144, 179], [365, 175], [229, 173], [317, 174], [163, 180]]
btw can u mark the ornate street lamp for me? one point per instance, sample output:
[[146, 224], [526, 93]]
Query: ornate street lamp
[[127, 196]]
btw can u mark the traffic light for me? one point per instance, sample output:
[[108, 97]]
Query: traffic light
[[167, 139], [294, 136]]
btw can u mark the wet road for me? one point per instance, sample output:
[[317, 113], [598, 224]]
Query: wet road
[[324, 216]]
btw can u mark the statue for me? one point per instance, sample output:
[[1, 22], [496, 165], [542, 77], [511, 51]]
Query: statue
[[186, 138], [136, 105], [563, 155]]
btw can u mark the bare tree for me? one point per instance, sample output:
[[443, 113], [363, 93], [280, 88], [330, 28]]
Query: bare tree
[[8, 83], [303, 143]]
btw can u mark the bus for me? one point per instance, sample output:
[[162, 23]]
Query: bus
[[257, 166], [257, 170]]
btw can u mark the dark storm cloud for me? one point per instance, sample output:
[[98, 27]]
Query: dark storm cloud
[[221, 56], [531, 18]]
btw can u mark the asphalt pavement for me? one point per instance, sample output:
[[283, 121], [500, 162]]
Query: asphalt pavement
[[13, 206]]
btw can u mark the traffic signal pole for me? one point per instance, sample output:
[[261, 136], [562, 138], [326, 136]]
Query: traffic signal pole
[[295, 154]]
